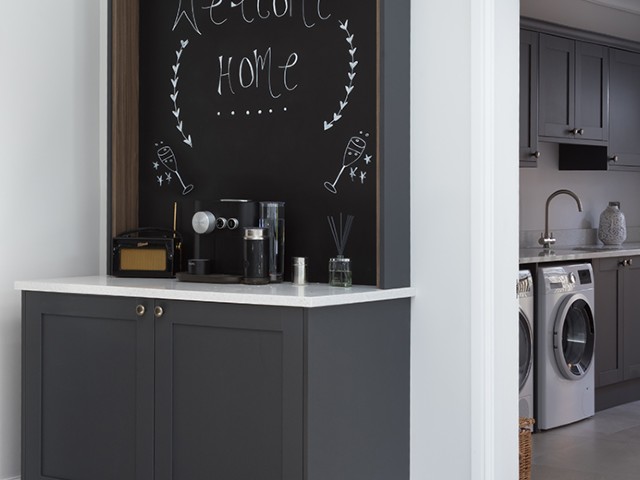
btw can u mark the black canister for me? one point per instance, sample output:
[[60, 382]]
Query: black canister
[[256, 256]]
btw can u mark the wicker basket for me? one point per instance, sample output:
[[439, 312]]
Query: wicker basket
[[526, 426]]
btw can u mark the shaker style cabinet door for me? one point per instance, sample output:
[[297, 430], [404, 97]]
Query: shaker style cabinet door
[[624, 142], [609, 332], [528, 98], [229, 392], [574, 85], [87, 388]]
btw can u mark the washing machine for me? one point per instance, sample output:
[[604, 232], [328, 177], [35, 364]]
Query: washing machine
[[524, 292], [565, 336]]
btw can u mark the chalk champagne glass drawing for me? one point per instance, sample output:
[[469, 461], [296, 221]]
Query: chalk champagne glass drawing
[[168, 159], [353, 152]]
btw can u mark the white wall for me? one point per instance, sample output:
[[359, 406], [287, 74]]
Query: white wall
[[50, 198], [464, 239]]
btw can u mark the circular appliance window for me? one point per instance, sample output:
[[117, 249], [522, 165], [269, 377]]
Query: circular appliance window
[[525, 349], [574, 337]]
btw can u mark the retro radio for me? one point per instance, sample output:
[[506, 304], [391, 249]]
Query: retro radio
[[146, 252]]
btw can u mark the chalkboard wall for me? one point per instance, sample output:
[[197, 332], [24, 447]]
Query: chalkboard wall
[[265, 100]]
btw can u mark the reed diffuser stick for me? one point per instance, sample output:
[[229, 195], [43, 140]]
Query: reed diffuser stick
[[341, 232]]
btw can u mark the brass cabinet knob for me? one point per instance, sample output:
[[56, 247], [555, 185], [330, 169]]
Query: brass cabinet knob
[[140, 310], [158, 311]]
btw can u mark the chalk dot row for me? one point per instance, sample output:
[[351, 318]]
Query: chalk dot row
[[233, 113]]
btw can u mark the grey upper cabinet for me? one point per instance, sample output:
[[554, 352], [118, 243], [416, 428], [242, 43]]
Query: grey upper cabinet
[[528, 98], [624, 141], [573, 91]]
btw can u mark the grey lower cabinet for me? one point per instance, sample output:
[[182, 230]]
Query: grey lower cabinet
[[617, 305], [573, 91], [624, 142], [149, 389]]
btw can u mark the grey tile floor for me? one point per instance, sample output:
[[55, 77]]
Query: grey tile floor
[[604, 447]]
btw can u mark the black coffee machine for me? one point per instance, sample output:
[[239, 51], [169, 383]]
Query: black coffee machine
[[218, 227]]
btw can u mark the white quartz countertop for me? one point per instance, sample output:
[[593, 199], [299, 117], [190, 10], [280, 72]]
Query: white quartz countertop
[[578, 252], [282, 294]]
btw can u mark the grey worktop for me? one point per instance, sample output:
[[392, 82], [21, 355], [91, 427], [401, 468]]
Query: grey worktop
[[577, 253]]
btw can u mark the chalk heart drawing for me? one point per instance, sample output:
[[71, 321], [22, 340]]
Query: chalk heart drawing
[[174, 95], [352, 153], [351, 76], [170, 162]]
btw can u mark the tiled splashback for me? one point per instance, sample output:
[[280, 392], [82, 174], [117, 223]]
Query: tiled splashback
[[572, 237]]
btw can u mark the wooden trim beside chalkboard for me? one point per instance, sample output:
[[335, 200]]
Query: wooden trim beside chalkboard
[[124, 115]]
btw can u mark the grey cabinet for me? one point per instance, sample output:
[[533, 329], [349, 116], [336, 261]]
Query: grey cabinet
[[148, 389], [528, 98], [617, 356], [573, 91], [624, 141]]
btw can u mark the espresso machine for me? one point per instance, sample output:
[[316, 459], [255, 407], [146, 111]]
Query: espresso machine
[[219, 226]]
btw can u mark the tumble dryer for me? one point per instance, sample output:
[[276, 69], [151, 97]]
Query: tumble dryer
[[566, 343], [524, 292]]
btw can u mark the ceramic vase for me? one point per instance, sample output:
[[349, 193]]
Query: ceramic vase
[[612, 229]]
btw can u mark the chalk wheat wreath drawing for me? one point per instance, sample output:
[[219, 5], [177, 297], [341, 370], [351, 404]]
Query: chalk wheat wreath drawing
[[352, 75], [174, 96]]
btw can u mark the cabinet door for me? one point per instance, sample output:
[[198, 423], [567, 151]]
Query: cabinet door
[[624, 116], [528, 98], [229, 392], [87, 388], [592, 92], [557, 86], [631, 312], [608, 319]]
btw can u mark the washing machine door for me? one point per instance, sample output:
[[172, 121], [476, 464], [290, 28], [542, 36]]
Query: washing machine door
[[574, 337], [525, 349]]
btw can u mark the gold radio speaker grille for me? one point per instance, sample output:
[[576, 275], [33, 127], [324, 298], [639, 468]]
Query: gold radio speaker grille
[[146, 260]]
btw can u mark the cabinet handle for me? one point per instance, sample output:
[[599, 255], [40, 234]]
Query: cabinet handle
[[140, 310], [536, 154], [158, 311], [614, 158], [581, 131], [574, 131], [630, 262], [627, 262]]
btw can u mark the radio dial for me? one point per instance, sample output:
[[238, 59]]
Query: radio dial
[[203, 222]]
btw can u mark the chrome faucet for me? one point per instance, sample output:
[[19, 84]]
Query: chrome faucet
[[546, 238]]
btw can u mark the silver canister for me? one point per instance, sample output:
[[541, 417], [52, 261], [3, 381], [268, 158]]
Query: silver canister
[[299, 270]]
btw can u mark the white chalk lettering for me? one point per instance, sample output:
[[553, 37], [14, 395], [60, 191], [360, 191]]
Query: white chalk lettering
[[310, 11], [256, 71], [291, 61], [214, 4]]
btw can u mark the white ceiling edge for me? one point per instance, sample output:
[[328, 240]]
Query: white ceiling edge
[[629, 6]]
